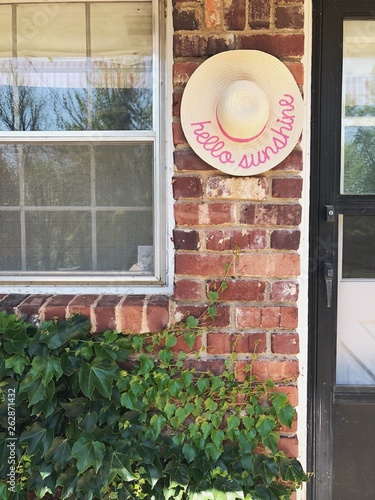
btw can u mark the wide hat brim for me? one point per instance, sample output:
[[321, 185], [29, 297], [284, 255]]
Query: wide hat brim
[[199, 112]]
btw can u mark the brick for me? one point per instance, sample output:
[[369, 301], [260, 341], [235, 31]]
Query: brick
[[293, 162], [260, 13], [215, 366], [235, 14], [284, 291], [289, 187], [289, 445], [221, 320], [82, 304], [189, 45], [176, 105], [56, 307], [240, 290], [268, 265], [276, 370], [285, 343], [248, 317], [222, 43], [249, 343], [204, 213], [29, 308], [270, 317], [104, 317], [289, 318], [228, 239], [271, 214], [213, 13], [188, 160], [207, 265], [280, 45], [187, 289], [178, 134], [182, 71], [219, 343], [248, 188], [187, 187], [297, 70], [10, 302], [187, 19], [289, 17], [157, 313], [285, 239], [186, 240], [131, 314], [181, 345]]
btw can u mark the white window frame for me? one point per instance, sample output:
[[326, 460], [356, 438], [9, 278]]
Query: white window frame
[[161, 136]]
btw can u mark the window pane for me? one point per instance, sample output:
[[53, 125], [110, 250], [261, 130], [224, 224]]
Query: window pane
[[358, 122], [57, 175], [79, 67], [9, 175], [58, 241], [10, 242], [358, 247], [125, 241], [124, 175]]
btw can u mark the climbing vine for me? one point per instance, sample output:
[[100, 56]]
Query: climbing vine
[[117, 416]]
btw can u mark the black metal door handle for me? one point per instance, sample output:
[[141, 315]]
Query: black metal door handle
[[328, 278]]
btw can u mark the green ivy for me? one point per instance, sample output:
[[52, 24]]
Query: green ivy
[[124, 417]]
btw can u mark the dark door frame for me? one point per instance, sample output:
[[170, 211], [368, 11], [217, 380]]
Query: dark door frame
[[326, 74]]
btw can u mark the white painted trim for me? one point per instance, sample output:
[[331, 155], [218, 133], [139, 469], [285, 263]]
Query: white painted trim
[[304, 249]]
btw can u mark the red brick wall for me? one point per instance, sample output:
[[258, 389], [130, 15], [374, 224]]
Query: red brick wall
[[215, 214]]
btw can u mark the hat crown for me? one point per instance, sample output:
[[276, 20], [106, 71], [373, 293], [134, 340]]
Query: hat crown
[[242, 111]]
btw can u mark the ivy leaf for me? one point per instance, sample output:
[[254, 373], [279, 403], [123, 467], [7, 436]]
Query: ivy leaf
[[217, 437], [292, 471], [37, 438], [116, 463], [189, 452], [170, 341], [70, 363], [46, 368], [266, 468], [203, 384], [89, 453], [68, 481], [169, 410], [59, 453], [279, 400], [233, 422], [192, 322], [152, 475], [265, 425], [17, 363], [177, 472], [157, 422], [286, 415], [271, 440], [213, 296], [98, 375], [35, 389], [275, 491], [147, 364], [75, 408], [90, 484], [15, 341]]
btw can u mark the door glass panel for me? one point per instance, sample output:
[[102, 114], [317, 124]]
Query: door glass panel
[[356, 297], [358, 109]]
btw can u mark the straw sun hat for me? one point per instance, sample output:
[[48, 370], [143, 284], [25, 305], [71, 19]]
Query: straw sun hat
[[242, 112]]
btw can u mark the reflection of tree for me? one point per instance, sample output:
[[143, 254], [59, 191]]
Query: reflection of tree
[[21, 110], [359, 152], [106, 109], [360, 161]]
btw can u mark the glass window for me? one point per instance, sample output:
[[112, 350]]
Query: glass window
[[79, 145], [358, 117]]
